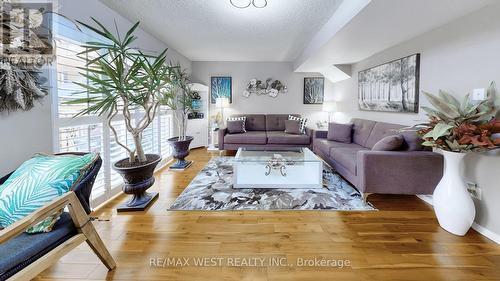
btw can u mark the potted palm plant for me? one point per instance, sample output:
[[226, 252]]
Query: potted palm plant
[[179, 97], [457, 128], [124, 83]]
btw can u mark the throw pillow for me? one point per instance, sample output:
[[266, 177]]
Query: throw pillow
[[292, 127], [302, 121], [412, 142], [37, 182], [340, 132], [389, 143], [242, 118], [235, 126]]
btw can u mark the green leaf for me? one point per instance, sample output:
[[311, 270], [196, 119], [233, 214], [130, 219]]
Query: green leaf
[[442, 106], [441, 129], [131, 30], [449, 98]]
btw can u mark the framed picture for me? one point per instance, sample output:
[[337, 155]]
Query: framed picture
[[314, 90], [221, 86], [390, 87]]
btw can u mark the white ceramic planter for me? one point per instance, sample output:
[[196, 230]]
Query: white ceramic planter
[[452, 203]]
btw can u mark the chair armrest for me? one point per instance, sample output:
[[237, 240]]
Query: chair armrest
[[399, 172], [222, 133], [69, 199]]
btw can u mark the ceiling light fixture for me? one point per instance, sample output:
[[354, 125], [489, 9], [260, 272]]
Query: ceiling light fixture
[[242, 4]]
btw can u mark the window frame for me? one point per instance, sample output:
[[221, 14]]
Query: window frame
[[58, 122]]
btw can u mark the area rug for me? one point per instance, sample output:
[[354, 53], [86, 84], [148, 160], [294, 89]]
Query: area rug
[[212, 190]]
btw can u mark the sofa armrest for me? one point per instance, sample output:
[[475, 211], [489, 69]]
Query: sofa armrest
[[221, 133], [399, 172]]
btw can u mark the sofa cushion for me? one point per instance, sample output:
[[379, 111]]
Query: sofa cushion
[[254, 122], [26, 248], [325, 145], [389, 143], [292, 127], [235, 126], [37, 182], [346, 156], [280, 137], [381, 130], [340, 132], [250, 137], [276, 122], [361, 130]]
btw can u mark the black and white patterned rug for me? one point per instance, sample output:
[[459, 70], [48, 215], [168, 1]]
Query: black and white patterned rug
[[212, 190]]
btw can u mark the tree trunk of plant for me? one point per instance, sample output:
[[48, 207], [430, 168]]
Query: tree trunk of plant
[[138, 148]]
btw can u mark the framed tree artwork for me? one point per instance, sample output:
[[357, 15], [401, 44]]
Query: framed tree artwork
[[314, 90], [221, 87], [390, 87]]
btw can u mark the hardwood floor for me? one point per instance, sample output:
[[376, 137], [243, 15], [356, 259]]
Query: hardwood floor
[[401, 241]]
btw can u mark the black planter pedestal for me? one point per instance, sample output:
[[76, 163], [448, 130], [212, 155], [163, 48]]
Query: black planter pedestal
[[136, 181], [180, 151]]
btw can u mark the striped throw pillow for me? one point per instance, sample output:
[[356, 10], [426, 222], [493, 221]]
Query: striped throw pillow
[[242, 118], [302, 121]]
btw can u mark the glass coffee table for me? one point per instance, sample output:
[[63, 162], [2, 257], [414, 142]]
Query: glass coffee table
[[277, 168]]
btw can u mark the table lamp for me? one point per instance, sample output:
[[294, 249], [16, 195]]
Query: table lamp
[[330, 107]]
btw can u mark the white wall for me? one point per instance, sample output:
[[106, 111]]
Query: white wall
[[23, 134], [26, 133], [457, 57], [242, 72]]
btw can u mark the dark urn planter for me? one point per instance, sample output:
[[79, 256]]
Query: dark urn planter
[[180, 151], [137, 179]]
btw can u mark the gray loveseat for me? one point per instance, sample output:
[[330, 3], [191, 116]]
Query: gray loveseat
[[264, 130], [411, 170]]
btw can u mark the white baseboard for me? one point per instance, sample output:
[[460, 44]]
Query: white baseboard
[[487, 233], [482, 230]]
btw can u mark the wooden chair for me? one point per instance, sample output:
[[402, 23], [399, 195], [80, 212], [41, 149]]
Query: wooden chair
[[24, 256]]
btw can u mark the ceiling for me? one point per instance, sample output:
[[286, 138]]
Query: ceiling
[[213, 30], [379, 25]]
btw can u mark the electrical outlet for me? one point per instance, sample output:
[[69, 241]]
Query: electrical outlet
[[479, 94], [474, 190]]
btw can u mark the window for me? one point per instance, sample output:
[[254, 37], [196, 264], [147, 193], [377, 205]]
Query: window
[[91, 133]]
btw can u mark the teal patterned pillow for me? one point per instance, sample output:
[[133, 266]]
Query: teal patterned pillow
[[37, 182]]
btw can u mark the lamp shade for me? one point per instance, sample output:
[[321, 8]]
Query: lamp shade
[[329, 106], [222, 102]]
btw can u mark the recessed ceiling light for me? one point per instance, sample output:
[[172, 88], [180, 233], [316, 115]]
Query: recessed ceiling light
[[259, 3], [242, 4]]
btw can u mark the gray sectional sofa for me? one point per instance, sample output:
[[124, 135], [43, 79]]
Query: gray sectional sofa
[[411, 170], [264, 130]]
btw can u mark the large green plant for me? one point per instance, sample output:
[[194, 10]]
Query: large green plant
[[461, 126], [123, 80], [178, 97]]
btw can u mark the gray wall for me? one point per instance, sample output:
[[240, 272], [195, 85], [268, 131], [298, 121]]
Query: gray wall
[[457, 58], [26, 133], [242, 72]]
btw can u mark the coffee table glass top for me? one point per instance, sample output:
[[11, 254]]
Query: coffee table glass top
[[300, 154]]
